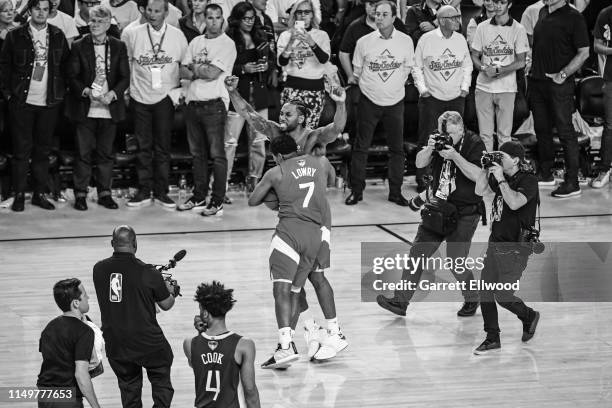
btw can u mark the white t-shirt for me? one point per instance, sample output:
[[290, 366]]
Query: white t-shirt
[[98, 109], [499, 46], [174, 15], [383, 65], [65, 23], [530, 16], [302, 62], [37, 94], [125, 13], [154, 75], [220, 52], [442, 66]]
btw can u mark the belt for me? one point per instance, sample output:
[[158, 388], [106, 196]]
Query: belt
[[205, 103]]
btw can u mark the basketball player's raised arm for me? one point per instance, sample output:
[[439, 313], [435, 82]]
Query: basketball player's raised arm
[[262, 188], [242, 107], [187, 349], [329, 133], [246, 348], [330, 171]]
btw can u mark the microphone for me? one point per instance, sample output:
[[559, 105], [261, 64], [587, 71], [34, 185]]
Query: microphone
[[172, 262], [179, 255]]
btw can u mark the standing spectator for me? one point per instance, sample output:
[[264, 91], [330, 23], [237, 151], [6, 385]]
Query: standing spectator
[[442, 74], [7, 14], [530, 17], [67, 344], [62, 21], [82, 18], [603, 47], [128, 292], [357, 29], [303, 53], [254, 62], [560, 47], [194, 23], [265, 22], [489, 9], [99, 74], [32, 64], [155, 50], [208, 61], [124, 12], [422, 19], [381, 66], [499, 49]]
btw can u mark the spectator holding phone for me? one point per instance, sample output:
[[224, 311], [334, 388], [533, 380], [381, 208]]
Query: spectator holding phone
[[303, 51], [253, 65]]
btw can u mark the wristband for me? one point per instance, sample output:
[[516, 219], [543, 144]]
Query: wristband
[[502, 182]]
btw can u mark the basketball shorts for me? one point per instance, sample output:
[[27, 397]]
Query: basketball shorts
[[293, 250], [322, 261]]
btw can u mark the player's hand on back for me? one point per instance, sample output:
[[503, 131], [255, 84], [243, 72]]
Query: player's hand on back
[[231, 83]]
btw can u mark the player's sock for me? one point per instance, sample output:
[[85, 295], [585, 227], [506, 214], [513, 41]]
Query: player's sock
[[284, 337], [332, 326]]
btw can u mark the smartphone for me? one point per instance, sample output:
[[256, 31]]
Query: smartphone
[[300, 25]]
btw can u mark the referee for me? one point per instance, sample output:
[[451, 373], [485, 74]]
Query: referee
[[128, 290]]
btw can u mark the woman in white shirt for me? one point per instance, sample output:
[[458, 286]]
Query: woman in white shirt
[[303, 51]]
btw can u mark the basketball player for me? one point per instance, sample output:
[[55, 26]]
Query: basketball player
[[219, 357], [292, 122], [299, 182]]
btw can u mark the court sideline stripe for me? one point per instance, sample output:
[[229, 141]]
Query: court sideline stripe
[[396, 235], [266, 229]]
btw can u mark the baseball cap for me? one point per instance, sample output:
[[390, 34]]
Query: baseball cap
[[514, 149]]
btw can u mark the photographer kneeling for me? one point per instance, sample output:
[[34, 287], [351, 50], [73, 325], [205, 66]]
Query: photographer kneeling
[[453, 209], [128, 290], [512, 238]]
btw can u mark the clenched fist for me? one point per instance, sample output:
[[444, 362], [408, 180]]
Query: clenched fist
[[231, 83]]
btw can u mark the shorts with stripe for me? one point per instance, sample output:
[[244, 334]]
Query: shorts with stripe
[[324, 254], [293, 251]]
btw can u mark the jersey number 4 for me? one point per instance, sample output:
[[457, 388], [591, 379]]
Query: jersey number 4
[[217, 388], [310, 186]]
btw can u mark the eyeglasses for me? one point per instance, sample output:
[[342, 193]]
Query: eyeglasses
[[303, 12], [248, 19]]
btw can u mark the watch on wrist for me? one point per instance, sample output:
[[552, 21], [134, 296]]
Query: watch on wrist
[[563, 74]]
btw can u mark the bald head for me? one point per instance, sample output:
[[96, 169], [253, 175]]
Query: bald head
[[124, 239], [448, 11]]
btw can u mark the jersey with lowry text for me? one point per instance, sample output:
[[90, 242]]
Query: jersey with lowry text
[[301, 193], [216, 371]]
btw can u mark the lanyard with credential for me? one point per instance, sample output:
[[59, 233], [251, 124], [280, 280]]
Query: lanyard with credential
[[161, 41]]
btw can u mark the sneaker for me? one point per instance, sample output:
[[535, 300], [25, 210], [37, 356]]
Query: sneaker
[[602, 179], [566, 190], [192, 204], [40, 200], [392, 305], [139, 199], [312, 338], [546, 180], [530, 328], [331, 346], [282, 358], [468, 309], [488, 346], [213, 208], [166, 201]]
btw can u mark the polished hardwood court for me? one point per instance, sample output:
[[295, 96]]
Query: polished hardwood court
[[422, 360]]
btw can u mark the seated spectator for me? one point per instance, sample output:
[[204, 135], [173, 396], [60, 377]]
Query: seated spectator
[[303, 51], [194, 23], [422, 19], [99, 74], [63, 21], [253, 64], [489, 9]]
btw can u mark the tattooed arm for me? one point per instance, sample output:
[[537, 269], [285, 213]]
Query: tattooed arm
[[242, 107], [329, 133]]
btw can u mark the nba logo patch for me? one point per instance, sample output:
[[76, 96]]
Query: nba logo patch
[[116, 287], [213, 345]]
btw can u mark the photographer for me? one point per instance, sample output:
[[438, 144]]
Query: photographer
[[127, 291], [511, 240], [453, 208]]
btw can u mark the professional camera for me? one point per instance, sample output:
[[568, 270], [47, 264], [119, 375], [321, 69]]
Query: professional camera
[[442, 138], [176, 289], [488, 158], [530, 238]]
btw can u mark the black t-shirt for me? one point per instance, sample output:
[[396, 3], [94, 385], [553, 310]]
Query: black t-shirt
[[506, 223], [471, 150], [556, 40], [358, 29], [62, 342], [603, 31], [127, 290]]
